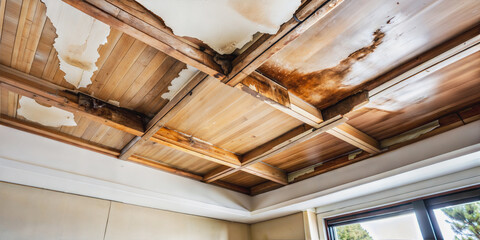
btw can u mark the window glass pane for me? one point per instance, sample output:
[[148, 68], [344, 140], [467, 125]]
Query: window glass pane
[[459, 221], [403, 226]]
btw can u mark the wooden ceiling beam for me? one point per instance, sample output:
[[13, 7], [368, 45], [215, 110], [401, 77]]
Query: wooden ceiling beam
[[207, 151], [75, 102], [133, 19], [277, 96], [182, 98], [356, 138], [196, 147], [295, 136]]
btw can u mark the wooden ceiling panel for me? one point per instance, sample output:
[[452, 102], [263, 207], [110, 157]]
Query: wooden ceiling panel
[[421, 101], [8, 103], [360, 40], [244, 179], [129, 71], [86, 129], [175, 158], [230, 118], [316, 150]]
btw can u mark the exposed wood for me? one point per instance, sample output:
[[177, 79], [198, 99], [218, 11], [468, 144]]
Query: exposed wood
[[346, 105], [446, 123], [296, 135], [216, 174], [264, 187], [55, 135], [168, 111], [84, 105], [286, 141], [436, 55], [355, 137], [157, 165], [278, 97], [3, 4], [420, 71], [233, 187], [333, 164], [151, 35], [470, 114], [197, 147], [270, 45], [268, 172]]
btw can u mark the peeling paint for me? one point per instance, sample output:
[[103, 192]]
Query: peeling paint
[[301, 172], [224, 25], [47, 116], [352, 156], [78, 38], [177, 84], [114, 103], [409, 135]]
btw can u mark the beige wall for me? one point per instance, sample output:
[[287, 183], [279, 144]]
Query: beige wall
[[31, 213], [133, 222], [284, 228]]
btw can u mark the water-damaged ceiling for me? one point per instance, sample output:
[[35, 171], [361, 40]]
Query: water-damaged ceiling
[[247, 95]]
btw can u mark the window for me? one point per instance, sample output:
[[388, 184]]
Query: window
[[450, 217]]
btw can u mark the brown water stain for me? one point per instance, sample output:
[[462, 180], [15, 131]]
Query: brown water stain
[[71, 56], [324, 87]]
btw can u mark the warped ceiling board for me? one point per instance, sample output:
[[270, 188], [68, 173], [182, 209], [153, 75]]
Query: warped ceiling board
[[230, 118], [423, 100], [361, 40]]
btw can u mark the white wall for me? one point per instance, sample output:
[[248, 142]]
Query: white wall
[[33, 213]]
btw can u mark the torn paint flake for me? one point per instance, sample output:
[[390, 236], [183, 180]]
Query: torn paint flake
[[409, 135], [224, 25], [177, 84], [47, 116], [114, 103], [79, 37]]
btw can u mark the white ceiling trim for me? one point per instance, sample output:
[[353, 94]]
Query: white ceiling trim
[[36, 161]]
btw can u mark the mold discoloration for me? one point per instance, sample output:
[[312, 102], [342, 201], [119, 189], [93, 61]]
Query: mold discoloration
[[324, 87]]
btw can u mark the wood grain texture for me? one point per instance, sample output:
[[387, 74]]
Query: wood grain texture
[[322, 66], [229, 118], [449, 89], [175, 158], [85, 105]]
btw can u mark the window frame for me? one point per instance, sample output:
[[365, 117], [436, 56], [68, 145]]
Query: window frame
[[422, 207]]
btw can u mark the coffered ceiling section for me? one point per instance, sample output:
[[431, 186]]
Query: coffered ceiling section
[[247, 95]]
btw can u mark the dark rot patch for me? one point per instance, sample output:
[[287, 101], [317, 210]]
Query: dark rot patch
[[324, 87]]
